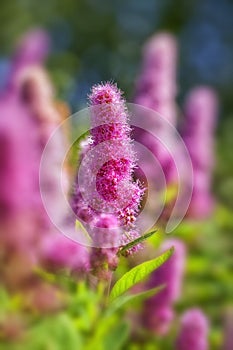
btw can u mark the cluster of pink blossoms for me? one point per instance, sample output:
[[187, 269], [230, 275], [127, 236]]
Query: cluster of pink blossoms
[[109, 160]]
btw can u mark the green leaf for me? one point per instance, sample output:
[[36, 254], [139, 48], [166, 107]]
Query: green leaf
[[121, 301], [138, 273], [136, 241]]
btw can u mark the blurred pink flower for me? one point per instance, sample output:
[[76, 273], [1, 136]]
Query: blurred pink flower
[[19, 155], [28, 119], [193, 332], [32, 49], [156, 89], [19, 192], [198, 134]]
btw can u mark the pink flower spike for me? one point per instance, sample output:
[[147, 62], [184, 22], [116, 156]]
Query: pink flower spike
[[201, 109], [194, 331], [107, 168]]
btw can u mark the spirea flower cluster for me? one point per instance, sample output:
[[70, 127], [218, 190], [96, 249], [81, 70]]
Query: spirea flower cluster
[[109, 161]]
